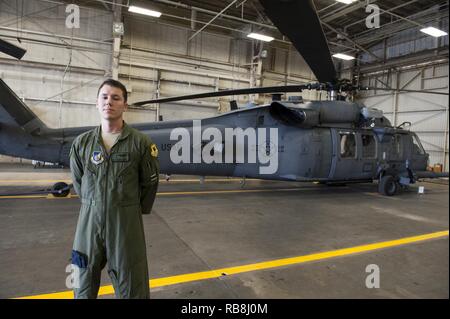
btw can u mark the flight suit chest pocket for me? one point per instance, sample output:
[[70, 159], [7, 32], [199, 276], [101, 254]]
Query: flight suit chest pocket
[[121, 162], [89, 181], [127, 178]]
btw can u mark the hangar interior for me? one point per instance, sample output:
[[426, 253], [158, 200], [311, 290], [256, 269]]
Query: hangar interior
[[194, 47], [198, 46]]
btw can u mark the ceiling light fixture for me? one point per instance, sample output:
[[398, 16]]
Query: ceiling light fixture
[[261, 37], [343, 56], [433, 32], [147, 12], [346, 1]]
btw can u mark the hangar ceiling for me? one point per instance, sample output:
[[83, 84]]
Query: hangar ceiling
[[344, 24]]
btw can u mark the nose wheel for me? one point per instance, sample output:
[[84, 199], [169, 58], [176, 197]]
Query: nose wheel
[[388, 185]]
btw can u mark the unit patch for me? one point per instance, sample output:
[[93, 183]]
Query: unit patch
[[97, 157], [154, 150]]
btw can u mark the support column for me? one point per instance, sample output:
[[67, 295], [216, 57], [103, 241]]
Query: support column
[[158, 94], [117, 18], [445, 152], [395, 99], [256, 70]]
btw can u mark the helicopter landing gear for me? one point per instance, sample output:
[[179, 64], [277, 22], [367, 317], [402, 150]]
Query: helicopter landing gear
[[60, 189], [388, 185]]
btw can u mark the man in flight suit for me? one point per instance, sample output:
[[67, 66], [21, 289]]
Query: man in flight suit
[[115, 172]]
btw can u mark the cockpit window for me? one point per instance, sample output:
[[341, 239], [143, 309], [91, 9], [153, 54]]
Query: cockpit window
[[417, 146], [396, 148]]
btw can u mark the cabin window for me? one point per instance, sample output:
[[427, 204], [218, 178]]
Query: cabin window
[[348, 145], [368, 146]]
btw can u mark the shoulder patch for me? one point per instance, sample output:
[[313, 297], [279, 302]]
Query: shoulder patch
[[97, 157], [153, 150]]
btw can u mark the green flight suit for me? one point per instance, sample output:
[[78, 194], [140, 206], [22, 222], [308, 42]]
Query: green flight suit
[[115, 191]]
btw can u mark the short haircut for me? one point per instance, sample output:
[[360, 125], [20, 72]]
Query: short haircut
[[116, 84]]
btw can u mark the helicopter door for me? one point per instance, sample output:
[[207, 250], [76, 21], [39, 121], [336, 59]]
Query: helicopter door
[[320, 144], [368, 156], [344, 156]]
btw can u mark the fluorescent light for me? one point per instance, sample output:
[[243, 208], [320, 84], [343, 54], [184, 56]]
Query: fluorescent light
[[345, 1], [433, 32], [343, 56], [261, 37], [147, 12]]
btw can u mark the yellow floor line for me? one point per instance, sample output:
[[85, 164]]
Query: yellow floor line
[[216, 273], [162, 180], [229, 191], [49, 196]]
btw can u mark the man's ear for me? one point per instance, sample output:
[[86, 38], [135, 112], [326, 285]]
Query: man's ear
[[126, 106]]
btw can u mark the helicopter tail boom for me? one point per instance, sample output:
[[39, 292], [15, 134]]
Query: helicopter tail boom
[[20, 114], [22, 133]]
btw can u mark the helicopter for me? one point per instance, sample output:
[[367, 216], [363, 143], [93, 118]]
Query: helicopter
[[329, 142]]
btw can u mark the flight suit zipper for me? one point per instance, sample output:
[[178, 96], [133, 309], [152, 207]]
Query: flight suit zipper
[[108, 164], [104, 177], [105, 199]]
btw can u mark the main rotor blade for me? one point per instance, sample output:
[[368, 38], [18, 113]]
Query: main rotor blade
[[298, 20], [11, 49], [258, 90]]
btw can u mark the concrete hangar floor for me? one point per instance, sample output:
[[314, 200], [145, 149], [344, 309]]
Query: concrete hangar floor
[[219, 239]]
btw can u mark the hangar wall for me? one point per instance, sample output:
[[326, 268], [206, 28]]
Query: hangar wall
[[62, 68]]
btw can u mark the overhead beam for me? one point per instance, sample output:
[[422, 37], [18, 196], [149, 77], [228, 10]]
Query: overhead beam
[[350, 40], [339, 12], [210, 12], [432, 56], [387, 11], [210, 21], [423, 17]]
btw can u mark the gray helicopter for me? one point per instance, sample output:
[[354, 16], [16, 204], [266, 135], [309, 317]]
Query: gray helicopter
[[328, 142]]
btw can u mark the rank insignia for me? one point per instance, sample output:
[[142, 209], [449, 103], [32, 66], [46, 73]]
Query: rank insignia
[[97, 157], [153, 150]]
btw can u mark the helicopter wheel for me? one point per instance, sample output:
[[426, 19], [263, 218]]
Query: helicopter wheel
[[60, 189], [388, 185]]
